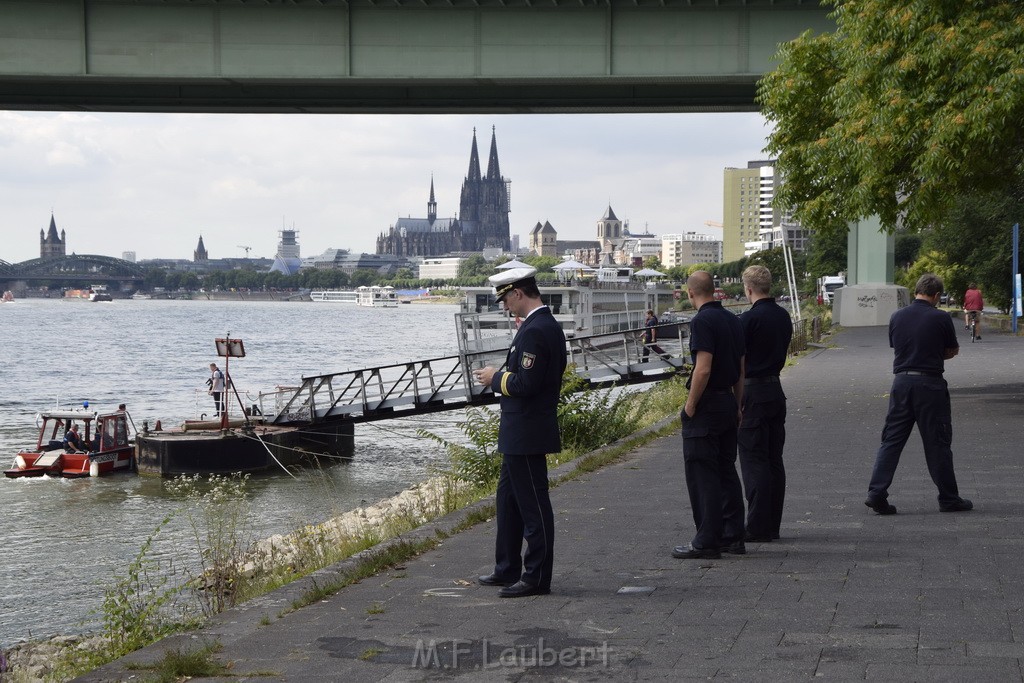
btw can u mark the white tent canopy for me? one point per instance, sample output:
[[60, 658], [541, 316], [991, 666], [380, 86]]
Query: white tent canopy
[[514, 263], [648, 272], [573, 265]]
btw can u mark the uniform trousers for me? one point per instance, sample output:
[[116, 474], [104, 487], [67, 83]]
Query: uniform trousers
[[923, 400], [524, 511], [761, 438], [709, 456]]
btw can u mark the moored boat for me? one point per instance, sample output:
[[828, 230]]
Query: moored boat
[[334, 296], [106, 445], [242, 444], [377, 297]]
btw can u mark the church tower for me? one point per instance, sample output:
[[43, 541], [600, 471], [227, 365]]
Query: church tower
[[495, 205], [200, 253], [431, 204], [50, 245], [609, 231]]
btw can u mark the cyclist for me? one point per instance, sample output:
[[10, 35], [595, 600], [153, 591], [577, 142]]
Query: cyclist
[[973, 303]]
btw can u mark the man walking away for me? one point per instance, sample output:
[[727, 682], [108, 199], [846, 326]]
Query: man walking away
[[767, 331], [709, 420], [529, 386], [651, 336], [922, 338]]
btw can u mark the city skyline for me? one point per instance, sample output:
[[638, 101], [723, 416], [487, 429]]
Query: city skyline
[[153, 183]]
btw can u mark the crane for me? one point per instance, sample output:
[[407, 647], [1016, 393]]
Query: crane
[[247, 249]]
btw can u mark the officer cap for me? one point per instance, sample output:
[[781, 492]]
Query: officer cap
[[508, 280]]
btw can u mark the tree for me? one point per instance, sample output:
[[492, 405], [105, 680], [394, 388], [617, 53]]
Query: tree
[[542, 263], [475, 265], [908, 105], [975, 243]]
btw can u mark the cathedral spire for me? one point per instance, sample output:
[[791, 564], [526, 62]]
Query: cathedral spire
[[431, 205], [493, 172], [474, 162]]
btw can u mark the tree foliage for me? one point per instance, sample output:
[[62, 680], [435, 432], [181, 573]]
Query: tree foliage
[[908, 105]]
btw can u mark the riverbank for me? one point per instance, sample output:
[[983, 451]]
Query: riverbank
[[844, 594]]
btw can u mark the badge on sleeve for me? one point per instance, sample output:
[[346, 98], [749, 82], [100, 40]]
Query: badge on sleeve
[[527, 361]]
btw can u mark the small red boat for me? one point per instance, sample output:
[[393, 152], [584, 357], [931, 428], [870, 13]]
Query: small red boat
[[104, 438]]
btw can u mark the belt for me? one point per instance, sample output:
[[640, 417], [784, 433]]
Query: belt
[[920, 373], [718, 391], [774, 379]]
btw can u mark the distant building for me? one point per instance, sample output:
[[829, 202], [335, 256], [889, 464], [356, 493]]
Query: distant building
[[288, 243], [50, 244], [343, 259], [482, 221], [689, 248], [128, 256], [443, 268], [200, 254], [750, 222], [544, 240]]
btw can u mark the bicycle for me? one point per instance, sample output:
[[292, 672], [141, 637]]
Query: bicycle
[[975, 319]]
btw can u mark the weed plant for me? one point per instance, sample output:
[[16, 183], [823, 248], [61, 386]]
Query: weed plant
[[219, 515]]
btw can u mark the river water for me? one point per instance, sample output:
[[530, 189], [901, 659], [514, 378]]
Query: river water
[[65, 540]]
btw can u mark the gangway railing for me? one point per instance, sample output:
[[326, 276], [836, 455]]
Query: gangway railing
[[446, 383]]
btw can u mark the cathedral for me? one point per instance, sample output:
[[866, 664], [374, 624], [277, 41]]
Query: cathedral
[[482, 221]]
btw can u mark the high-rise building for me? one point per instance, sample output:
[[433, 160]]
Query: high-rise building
[[747, 208], [750, 222]]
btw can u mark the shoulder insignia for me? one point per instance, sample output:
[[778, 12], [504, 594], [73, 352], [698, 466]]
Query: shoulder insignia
[[527, 361]]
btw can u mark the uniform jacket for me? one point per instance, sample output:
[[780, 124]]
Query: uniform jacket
[[530, 386]]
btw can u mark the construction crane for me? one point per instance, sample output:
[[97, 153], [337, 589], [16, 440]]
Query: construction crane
[[247, 249]]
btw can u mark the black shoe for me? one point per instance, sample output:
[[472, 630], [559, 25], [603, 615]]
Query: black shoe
[[962, 505], [750, 538], [881, 507], [776, 536], [521, 589], [495, 580], [734, 548], [688, 552]]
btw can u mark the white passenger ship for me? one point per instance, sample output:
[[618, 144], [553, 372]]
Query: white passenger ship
[[335, 296], [378, 297], [610, 301]]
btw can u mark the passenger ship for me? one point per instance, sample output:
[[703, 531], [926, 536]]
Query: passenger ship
[[334, 296], [611, 301]]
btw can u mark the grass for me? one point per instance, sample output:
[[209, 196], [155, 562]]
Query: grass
[[176, 665]]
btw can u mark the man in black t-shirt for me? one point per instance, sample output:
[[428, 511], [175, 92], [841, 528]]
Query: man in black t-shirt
[[709, 420], [767, 330], [922, 338]]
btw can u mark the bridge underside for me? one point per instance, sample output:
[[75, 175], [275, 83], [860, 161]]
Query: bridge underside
[[403, 56], [735, 94]]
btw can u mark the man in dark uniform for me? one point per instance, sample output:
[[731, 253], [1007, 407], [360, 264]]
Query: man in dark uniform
[[529, 387], [767, 331], [710, 418], [651, 336], [922, 338]]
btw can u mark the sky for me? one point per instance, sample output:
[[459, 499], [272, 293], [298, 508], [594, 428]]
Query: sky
[[153, 183]]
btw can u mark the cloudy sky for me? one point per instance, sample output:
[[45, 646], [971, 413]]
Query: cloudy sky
[[153, 183]]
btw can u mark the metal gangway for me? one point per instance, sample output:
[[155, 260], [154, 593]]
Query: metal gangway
[[438, 384]]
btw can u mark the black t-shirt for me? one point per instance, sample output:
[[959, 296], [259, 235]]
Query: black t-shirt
[[920, 334], [767, 331], [718, 332]]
